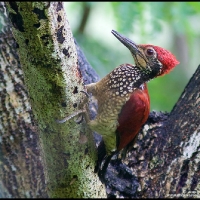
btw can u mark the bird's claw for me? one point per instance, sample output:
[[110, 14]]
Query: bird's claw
[[79, 112], [79, 119], [86, 94], [71, 116]]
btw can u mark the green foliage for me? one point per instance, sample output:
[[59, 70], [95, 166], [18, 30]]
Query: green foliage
[[130, 12], [147, 21], [103, 64]]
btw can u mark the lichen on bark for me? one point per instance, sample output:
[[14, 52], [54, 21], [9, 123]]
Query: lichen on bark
[[49, 61]]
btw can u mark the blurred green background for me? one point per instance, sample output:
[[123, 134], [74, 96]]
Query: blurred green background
[[174, 26]]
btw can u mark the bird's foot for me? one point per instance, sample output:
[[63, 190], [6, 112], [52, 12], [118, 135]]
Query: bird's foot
[[84, 92], [73, 115], [79, 112]]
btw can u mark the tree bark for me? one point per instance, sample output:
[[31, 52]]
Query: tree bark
[[164, 161], [21, 170], [49, 60]]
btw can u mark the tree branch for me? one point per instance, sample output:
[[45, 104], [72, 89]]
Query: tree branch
[[165, 160]]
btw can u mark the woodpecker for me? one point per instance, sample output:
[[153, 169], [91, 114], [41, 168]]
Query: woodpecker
[[122, 95]]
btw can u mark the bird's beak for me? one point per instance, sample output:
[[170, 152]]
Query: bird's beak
[[127, 42]]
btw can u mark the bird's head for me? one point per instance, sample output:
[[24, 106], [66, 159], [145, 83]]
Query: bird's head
[[151, 59]]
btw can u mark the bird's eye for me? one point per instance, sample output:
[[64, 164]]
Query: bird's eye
[[150, 52]]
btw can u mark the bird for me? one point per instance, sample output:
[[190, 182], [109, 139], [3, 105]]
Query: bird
[[122, 95]]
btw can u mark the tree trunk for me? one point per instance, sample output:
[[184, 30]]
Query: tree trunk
[[164, 162], [49, 61]]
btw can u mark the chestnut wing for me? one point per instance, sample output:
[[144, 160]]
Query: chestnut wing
[[132, 116]]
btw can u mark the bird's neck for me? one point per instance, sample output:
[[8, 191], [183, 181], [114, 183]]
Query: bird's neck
[[146, 74], [126, 78]]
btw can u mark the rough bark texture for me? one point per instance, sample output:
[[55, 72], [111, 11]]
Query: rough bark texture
[[49, 60], [164, 162], [21, 170]]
